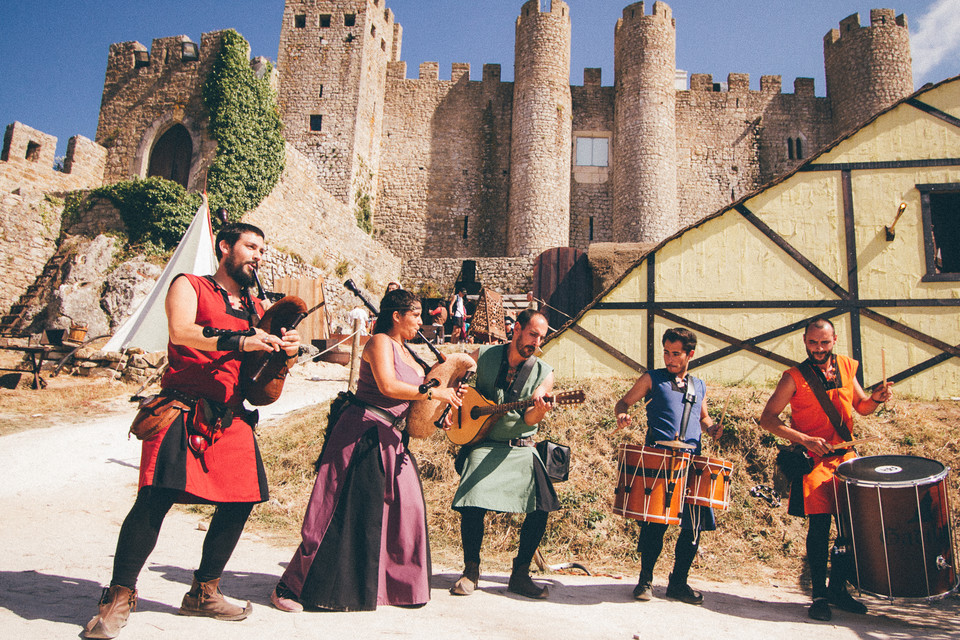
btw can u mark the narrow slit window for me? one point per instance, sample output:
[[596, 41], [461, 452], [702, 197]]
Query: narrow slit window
[[466, 226], [790, 148], [591, 229]]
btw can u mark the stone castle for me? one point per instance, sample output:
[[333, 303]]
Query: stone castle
[[483, 168], [464, 168]]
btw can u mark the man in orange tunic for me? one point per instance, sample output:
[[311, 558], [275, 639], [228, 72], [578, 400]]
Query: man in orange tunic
[[812, 428]]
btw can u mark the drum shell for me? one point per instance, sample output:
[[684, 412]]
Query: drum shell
[[702, 489], [900, 533], [642, 484]]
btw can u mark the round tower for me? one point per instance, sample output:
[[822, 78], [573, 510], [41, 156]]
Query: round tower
[[540, 147], [867, 68], [644, 130]]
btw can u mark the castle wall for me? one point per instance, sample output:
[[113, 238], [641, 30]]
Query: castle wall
[[300, 218], [867, 68], [591, 188], [731, 142], [504, 275], [145, 93], [445, 163], [32, 199], [333, 59]]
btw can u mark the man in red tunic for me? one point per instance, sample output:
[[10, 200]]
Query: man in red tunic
[[811, 427], [208, 455]]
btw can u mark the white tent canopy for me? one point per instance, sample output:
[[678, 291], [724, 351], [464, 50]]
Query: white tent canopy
[[147, 327]]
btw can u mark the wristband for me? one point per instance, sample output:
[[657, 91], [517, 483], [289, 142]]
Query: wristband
[[229, 343]]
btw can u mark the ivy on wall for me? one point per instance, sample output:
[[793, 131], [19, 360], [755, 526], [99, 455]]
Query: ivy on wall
[[245, 122]]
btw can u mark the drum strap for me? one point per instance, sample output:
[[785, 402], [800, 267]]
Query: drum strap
[[820, 393], [689, 398]]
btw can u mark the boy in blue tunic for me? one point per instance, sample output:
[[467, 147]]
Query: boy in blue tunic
[[664, 390]]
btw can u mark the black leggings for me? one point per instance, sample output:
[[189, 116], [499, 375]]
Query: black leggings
[[141, 528], [650, 544], [818, 550], [471, 534]]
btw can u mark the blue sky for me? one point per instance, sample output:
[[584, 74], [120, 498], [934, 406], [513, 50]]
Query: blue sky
[[55, 51]]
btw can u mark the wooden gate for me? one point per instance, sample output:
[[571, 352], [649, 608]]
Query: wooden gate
[[563, 279]]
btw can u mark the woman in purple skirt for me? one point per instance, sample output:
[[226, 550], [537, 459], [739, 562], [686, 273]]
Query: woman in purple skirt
[[365, 530]]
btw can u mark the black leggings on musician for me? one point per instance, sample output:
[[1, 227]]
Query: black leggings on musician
[[141, 528], [471, 534], [650, 544]]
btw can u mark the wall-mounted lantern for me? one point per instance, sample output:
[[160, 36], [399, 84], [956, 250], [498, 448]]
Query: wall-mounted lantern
[[891, 234]]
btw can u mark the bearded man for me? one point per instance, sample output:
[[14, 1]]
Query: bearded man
[[812, 428], [208, 454]]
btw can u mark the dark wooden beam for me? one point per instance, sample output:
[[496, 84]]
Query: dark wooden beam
[[913, 333], [853, 277], [888, 164], [782, 304], [713, 333], [933, 111], [791, 251], [607, 348]]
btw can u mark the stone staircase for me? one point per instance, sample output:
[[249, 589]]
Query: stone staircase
[[18, 318]]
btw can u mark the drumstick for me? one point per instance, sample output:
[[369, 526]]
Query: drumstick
[[856, 441], [644, 406]]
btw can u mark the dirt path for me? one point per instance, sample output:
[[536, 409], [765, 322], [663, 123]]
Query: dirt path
[[67, 488]]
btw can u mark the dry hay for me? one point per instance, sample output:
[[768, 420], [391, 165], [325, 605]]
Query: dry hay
[[754, 543]]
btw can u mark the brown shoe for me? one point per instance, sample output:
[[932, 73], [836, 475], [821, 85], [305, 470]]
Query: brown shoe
[[468, 581], [521, 584], [116, 603], [205, 599]]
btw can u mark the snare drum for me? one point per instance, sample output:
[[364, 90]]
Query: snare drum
[[895, 511], [651, 483], [708, 482]]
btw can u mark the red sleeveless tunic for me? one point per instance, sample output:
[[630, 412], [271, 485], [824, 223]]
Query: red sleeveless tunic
[[231, 469]]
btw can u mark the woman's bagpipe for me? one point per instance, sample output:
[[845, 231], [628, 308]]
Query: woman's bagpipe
[[426, 416]]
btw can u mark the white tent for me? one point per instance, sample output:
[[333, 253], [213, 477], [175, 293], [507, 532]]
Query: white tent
[[147, 327]]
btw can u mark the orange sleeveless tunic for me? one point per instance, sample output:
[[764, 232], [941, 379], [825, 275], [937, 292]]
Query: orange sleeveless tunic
[[808, 417]]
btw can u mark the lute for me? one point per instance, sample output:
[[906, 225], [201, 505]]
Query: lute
[[477, 415]]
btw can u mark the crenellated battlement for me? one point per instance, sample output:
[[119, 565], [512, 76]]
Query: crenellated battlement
[[169, 53], [558, 9], [881, 19], [740, 83], [634, 13], [28, 155]]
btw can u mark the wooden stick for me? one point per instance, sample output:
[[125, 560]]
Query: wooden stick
[[856, 441], [723, 414], [883, 365]]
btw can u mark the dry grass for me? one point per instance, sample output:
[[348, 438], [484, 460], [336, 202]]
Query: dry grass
[[65, 399], [754, 542]]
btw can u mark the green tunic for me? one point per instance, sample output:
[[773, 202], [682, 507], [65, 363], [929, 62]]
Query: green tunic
[[495, 475]]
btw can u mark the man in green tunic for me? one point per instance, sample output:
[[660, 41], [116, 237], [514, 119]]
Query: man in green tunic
[[504, 473]]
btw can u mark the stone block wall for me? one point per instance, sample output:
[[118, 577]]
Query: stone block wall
[[32, 199], [145, 93], [591, 188], [503, 275], [445, 164]]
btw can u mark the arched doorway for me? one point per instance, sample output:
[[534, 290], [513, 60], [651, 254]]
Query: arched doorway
[[171, 155]]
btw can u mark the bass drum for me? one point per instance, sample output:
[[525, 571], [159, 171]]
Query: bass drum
[[896, 512]]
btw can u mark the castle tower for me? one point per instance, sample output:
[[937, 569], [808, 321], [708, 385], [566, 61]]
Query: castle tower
[[644, 134], [333, 61], [867, 68], [540, 151]]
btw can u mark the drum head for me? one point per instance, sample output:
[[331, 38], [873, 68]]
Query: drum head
[[891, 470]]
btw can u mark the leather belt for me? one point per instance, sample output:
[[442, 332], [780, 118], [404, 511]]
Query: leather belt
[[383, 414]]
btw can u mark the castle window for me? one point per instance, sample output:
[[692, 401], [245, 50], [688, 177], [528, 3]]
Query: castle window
[[790, 148], [33, 152], [592, 152], [189, 52], [316, 122], [799, 146], [300, 20], [590, 238], [349, 19], [383, 44], [466, 226], [940, 211], [320, 92], [373, 31], [325, 20], [141, 59]]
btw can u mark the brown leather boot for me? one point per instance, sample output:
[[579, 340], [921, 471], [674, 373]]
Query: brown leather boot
[[116, 603], [520, 583], [205, 599], [468, 581]]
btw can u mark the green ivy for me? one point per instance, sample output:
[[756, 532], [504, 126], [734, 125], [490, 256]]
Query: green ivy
[[155, 211], [364, 212], [245, 122]]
